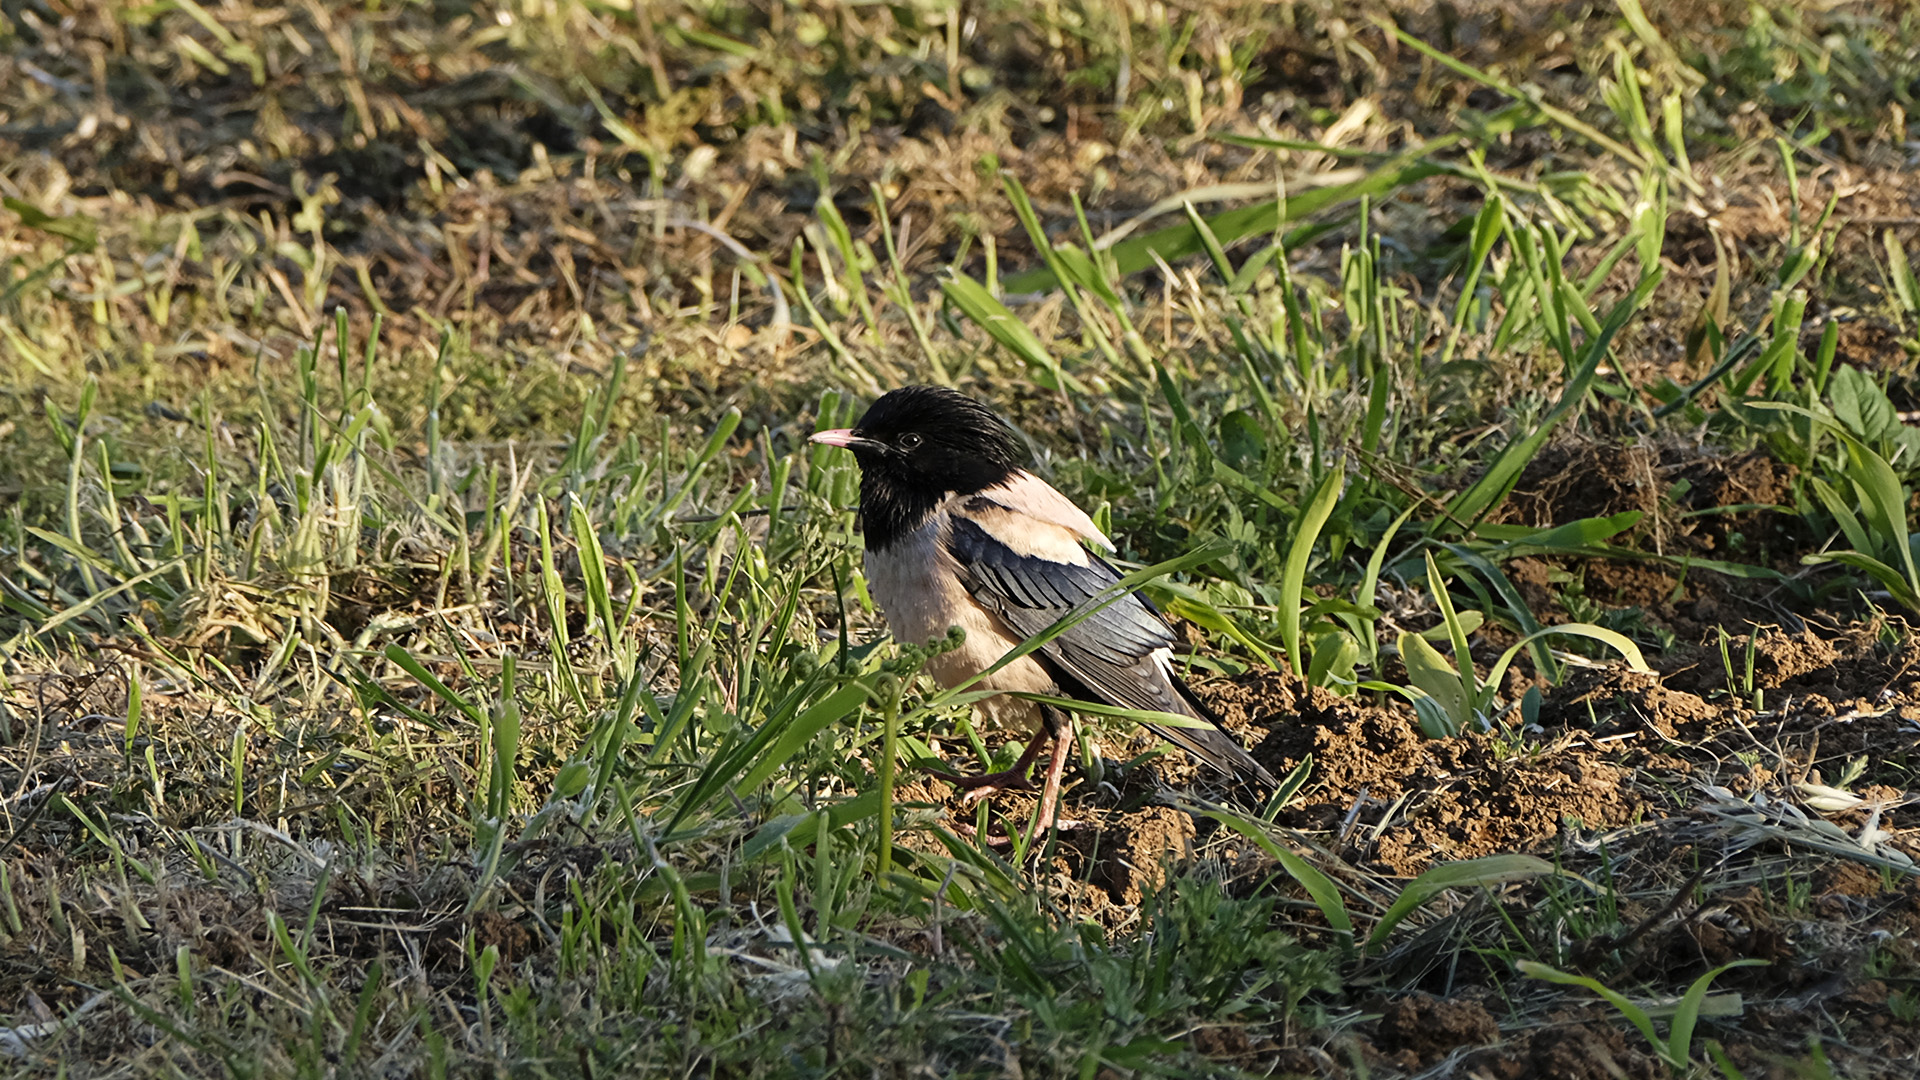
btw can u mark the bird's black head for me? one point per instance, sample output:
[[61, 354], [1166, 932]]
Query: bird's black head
[[916, 446]]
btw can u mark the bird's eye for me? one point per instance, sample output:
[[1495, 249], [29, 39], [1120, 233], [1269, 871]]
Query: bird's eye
[[910, 441]]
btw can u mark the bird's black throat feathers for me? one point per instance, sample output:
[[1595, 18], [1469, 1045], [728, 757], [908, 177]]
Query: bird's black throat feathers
[[919, 445]]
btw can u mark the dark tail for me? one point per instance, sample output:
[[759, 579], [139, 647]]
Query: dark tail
[[1214, 745]]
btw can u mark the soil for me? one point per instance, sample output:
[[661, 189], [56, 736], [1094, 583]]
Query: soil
[[1696, 507], [1679, 797]]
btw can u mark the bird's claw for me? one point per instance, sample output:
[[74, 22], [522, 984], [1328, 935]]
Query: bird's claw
[[986, 791]]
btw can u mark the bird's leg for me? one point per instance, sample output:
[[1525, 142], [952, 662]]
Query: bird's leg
[[1050, 793], [1056, 730], [1014, 779]]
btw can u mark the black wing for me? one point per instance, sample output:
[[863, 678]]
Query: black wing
[[1107, 657]]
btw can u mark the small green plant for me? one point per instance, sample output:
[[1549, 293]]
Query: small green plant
[[1333, 659], [1740, 681], [1483, 872], [1676, 1050], [1451, 697], [1872, 514]]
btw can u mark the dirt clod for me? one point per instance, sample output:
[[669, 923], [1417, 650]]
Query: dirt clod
[[1453, 798], [1428, 1027]]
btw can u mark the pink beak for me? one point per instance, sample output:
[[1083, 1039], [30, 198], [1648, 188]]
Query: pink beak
[[836, 437]]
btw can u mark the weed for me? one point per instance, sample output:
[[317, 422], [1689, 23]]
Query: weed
[[1677, 1049]]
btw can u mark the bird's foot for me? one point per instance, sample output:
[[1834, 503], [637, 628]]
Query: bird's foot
[[984, 784], [988, 791]]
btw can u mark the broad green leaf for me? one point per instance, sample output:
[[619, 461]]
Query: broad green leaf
[[1003, 326], [1470, 873], [1289, 787], [744, 766], [1861, 405], [1242, 443], [1730, 569], [1336, 656], [1431, 672], [1435, 721], [1178, 241], [1293, 575]]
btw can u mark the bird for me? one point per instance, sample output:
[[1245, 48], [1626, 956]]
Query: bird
[[958, 532]]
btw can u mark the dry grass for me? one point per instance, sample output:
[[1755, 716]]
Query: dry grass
[[429, 648]]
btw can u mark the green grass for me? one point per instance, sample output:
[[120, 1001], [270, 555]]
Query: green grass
[[429, 646]]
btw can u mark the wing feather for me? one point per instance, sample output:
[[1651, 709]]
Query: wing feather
[[1117, 656]]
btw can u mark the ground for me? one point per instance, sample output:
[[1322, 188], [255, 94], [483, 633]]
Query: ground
[[428, 645]]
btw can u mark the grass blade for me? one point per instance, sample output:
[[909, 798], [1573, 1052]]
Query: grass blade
[[1293, 575], [1471, 873], [1325, 894], [1179, 241], [1003, 326]]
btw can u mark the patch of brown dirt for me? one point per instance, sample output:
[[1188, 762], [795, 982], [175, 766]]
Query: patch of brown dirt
[[1704, 485], [1848, 879], [1610, 702], [1581, 478], [1420, 1027], [1137, 856], [1694, 502], [1614, 784], [1567, 1052], [1873, 344], [1437, 799]]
